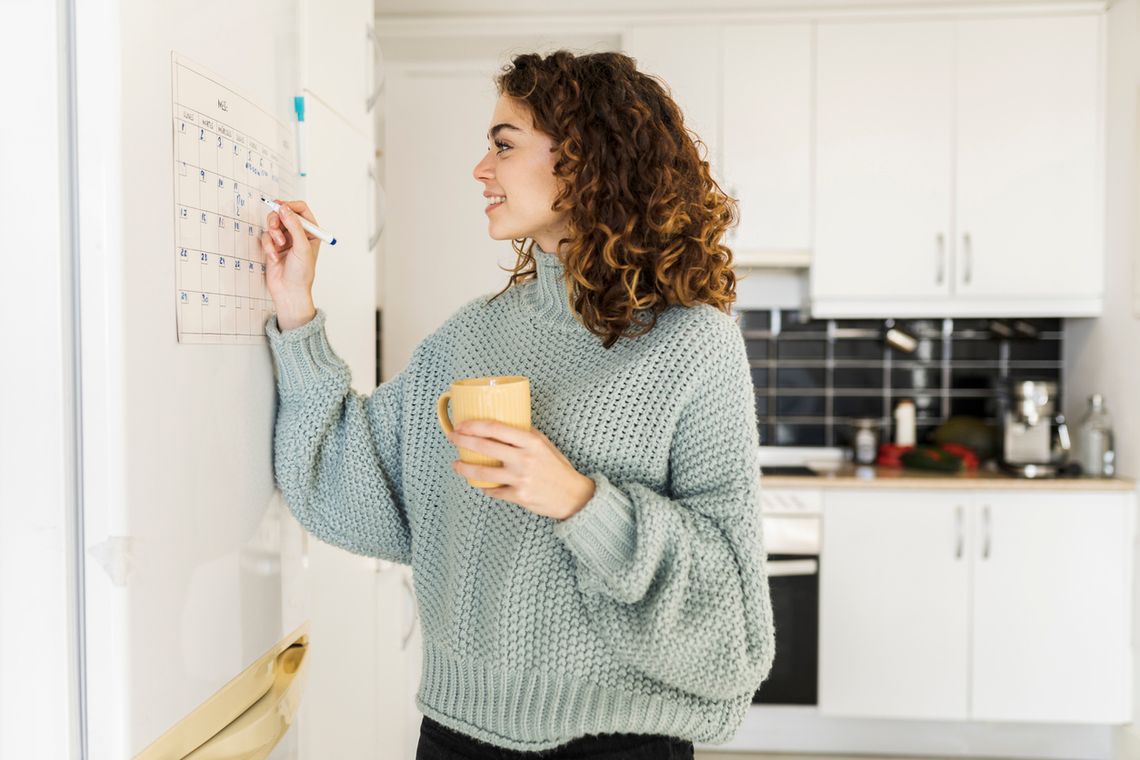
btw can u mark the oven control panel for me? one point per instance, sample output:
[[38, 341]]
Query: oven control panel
[[791, 500]]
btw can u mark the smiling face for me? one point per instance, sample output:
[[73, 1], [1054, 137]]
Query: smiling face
[[519, 166]]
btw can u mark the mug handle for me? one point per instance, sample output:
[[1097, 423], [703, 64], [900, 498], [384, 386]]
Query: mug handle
[[441, 411]]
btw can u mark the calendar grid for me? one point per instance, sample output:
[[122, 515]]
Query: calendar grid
[[221, 168]]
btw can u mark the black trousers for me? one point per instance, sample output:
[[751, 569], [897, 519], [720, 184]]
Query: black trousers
[[438, 742]]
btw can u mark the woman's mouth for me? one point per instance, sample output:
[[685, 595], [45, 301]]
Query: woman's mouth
[[496, 201]]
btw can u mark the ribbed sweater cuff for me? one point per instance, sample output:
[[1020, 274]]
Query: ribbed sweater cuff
[[302, 356], [603, 534]]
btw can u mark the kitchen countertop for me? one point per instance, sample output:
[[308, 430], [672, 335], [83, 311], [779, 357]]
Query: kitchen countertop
[[851, 476]]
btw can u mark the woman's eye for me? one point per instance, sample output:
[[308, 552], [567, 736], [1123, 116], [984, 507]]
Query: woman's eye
[[501, 146]]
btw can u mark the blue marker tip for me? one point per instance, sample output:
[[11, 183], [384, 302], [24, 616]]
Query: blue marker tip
[[332, 242]]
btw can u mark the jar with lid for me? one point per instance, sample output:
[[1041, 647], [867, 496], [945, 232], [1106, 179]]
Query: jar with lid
[[1095, 445]]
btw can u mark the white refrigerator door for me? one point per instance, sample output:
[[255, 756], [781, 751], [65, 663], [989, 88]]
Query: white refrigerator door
[[193, 567]]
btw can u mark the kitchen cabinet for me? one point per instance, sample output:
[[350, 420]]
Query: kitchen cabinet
[[766, 140], [688, 59], [343, 70], [893, 606], [1028, 187], [959, 166], [883, 163], [1051, 603], [746, 91], [995, 606]]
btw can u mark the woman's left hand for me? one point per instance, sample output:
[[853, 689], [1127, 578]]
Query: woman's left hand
[[535, 474]]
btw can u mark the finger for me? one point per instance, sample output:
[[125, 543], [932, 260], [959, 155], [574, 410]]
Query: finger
[[491, 448], [267, 246], [484, 472], [274, 220], [497, 430], [290, 220], [278, 238], [285, 208], [302, 209]]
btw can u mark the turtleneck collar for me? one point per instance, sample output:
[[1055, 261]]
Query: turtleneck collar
[[548, 297]]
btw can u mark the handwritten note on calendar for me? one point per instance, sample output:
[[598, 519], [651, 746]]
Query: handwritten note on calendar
[[228, 151]]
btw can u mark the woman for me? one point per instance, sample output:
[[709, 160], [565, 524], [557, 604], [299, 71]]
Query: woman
[[610, 599]]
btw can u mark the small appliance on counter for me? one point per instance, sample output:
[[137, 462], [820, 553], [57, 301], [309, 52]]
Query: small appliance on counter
[[1035, 438]]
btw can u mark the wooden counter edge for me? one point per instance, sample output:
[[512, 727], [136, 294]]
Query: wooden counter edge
[[886, 477]]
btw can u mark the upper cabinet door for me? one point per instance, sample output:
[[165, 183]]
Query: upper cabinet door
[[339, 58], [1051, 607], [884, 161], [767, 137], [688, 59], [1029, 149], [893, 605]]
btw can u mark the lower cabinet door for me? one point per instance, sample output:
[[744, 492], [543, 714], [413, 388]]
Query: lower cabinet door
[[1051, 607], [894, 603]]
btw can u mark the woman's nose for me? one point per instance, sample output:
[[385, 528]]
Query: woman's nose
[[483, 168]]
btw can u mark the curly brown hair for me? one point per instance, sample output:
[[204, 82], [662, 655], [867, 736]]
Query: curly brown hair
[[645, 217]]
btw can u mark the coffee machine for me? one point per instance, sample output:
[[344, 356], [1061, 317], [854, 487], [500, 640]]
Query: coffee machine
[[1035, 439]]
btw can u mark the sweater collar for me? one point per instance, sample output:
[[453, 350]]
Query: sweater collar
[[549, 297]]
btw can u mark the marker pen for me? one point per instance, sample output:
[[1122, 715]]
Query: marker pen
[[299, 109], [305, 223]]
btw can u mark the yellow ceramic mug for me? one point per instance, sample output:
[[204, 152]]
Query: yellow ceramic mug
[[505, 398]]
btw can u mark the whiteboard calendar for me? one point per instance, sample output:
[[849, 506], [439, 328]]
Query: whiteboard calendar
[[228, 151]]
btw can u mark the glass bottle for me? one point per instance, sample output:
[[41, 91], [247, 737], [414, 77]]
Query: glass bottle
[[866, 446], [1095, 444]]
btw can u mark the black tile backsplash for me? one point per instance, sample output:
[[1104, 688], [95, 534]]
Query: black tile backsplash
[[859, 349], [813, 377], [787, 348]]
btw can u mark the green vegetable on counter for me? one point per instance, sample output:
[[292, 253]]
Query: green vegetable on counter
[[931, 458]]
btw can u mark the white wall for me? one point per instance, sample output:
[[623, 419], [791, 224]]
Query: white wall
[[38, 673], [1103, 355]]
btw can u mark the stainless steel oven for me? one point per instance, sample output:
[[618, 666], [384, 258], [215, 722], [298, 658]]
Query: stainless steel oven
[[792, 521]]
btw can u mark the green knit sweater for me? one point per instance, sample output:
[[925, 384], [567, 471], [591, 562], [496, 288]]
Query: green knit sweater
[[648, 611]]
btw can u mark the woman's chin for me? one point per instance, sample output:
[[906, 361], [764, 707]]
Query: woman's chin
[[497, 233]]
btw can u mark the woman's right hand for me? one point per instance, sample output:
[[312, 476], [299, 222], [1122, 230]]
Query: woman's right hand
[[290, 263]]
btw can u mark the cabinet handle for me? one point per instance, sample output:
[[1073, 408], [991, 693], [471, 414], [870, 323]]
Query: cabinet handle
[[377, 82], [941, 259], [958, 528], [986, 537], [968, 256]]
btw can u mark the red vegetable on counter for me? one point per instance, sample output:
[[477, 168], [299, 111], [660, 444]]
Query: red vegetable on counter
[[969, 458]]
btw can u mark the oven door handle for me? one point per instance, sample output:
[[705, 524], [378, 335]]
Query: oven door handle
[[784, 567]]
